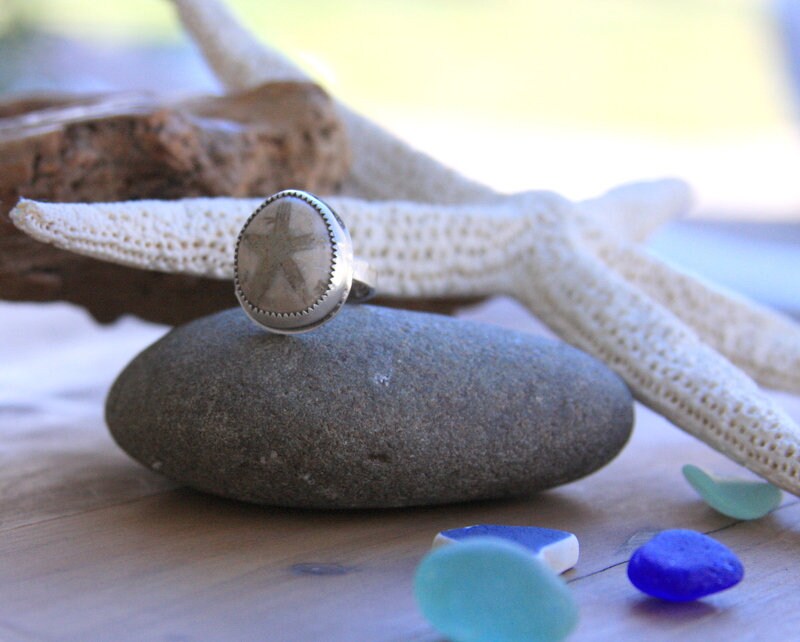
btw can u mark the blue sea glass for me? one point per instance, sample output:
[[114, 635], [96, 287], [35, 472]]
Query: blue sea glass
[[558, 549], [682, 565], [488, 589]]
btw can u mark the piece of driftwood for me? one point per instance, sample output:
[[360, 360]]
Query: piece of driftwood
[[134, 146]]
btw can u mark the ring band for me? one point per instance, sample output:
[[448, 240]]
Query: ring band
[[294, 266]]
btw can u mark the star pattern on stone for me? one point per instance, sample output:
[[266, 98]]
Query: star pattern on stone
[[279, 247]]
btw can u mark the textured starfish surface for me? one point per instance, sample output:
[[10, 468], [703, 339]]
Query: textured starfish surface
[[687, 349]]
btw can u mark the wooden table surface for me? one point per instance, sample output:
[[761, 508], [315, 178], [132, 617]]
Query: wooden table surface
[[94, 547]]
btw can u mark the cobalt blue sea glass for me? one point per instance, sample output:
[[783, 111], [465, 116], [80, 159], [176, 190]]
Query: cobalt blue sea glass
[[558, 549], [682, 565]]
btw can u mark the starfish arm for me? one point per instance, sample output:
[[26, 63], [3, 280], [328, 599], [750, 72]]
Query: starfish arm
[[386, 167], [383, 167], [425, 250], [417, 249], [189, 236], [668, 367], [635, 210], [233, 53], [762, 342]]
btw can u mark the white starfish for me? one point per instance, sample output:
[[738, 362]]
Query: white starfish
[[578, 267]]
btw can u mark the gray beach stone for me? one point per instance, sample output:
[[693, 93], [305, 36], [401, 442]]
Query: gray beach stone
[[377, 408]]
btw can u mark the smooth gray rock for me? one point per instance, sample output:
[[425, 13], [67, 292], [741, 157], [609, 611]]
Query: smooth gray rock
[[377, 408]]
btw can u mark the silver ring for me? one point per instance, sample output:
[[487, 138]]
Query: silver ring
[[294, 266]]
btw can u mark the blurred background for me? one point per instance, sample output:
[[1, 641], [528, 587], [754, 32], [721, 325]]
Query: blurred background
[[570, 95]]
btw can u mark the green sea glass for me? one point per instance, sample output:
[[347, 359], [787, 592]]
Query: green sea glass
[[738, 498]]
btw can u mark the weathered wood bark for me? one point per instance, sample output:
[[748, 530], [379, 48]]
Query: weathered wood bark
[[132, 146]]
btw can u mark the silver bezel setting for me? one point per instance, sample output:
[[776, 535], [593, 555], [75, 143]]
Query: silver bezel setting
[[339, 282]]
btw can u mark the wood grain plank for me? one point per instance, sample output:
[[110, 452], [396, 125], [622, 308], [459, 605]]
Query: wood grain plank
[[53, 468], [56, 456], [181, 565], [763, 607]]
